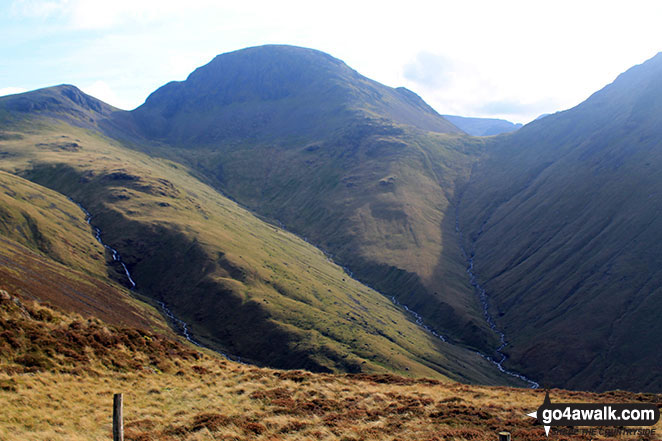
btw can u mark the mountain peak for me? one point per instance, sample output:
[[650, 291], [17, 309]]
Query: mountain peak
[[272, 90], [279, 51], [64, 100]]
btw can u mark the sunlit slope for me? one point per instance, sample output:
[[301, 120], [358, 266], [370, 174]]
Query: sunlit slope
[[48, 252], [564, 217], [244, 286], [365, 171]]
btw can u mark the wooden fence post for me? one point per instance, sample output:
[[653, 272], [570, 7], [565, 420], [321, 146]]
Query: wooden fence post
[[504, 436], [118, 423]]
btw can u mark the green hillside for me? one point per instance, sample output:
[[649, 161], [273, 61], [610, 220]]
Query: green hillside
[[48, 252], [364, 171], [244, 286], [563, 217]]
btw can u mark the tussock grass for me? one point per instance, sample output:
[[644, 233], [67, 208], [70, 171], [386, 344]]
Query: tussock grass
[[202, 397]]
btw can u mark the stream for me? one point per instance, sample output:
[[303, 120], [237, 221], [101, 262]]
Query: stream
[[183, 328], [180, 325], [113, 251], [331, 258], [419, 320], [484, 301]]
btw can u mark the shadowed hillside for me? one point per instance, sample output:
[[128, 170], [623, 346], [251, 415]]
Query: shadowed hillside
[[563, 218]]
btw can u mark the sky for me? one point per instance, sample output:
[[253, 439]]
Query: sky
[[503, 59]]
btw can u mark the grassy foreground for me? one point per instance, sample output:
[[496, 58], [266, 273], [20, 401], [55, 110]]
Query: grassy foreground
[[58, 373]]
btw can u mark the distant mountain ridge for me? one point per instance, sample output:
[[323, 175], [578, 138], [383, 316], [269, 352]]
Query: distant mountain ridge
[[483, 126]]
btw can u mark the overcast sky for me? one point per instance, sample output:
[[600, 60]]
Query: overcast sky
[[505, 59]]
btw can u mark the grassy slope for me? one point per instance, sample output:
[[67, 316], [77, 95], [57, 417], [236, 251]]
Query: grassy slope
[[365, 171], [564, 218], [246, 287], [61, 389], [48, 252], [382, 208]]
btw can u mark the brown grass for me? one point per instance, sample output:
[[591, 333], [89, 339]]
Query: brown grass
[[59, 372]]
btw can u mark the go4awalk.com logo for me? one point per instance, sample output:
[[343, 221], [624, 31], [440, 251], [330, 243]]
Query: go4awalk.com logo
[[595, 414]]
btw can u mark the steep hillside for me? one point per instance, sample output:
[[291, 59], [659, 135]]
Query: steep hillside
[[482, 126], [362, 170], [563, 219], [48, 252], [245, 287], [174, 393]]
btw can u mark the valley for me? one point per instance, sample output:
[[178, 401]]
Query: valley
[[182, 240], [280, 207]]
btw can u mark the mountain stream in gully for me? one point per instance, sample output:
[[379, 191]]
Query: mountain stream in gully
[[484, 301], [183, 328], [180, 325]]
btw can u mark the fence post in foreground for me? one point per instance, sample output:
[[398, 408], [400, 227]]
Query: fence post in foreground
[[504, 436], [118, 423]]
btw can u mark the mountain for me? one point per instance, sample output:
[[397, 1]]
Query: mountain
[[482, 126], [383, 197], [219, 274], [268, 93], [364, 171], [290, 212], [562, 217]]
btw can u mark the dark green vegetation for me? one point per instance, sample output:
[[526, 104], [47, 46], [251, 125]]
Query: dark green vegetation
[[561, 217], [564, 219], [482, 126]]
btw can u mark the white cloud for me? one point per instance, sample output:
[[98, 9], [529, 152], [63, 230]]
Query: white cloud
[[430, 71], [101, 90], [462, 57], [11, 90], [104, 14]]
